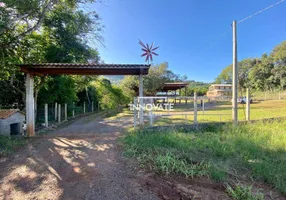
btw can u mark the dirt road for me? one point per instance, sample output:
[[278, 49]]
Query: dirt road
[[80, 161]]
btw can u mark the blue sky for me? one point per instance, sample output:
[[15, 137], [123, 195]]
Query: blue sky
[[187, 32]]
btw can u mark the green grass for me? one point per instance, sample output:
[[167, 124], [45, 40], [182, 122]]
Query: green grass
[[222, 112], [252, 151], [241, 192], [9, 144]]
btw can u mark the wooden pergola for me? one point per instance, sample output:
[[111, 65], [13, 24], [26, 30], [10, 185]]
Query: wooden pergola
[[174, 87], [43, 69]]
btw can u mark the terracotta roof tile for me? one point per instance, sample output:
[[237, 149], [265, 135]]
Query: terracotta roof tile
[[7, 113]]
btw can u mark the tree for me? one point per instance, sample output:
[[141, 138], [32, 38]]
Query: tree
[[279, 57], [63, 37], [244, 67], [153, 82]]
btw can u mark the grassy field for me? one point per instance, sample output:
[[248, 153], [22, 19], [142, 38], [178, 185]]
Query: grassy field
[[221, 111], [251, 152]]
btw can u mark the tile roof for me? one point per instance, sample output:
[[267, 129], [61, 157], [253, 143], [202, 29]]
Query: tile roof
[[85, 68], [7, 113], [83, 65]]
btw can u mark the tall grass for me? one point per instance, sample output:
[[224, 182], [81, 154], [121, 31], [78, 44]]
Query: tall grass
[[255, 151]]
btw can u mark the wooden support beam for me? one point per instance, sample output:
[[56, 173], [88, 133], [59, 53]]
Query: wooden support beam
[[30, 105]]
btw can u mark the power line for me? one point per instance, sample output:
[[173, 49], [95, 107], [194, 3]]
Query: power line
[[264, 9]]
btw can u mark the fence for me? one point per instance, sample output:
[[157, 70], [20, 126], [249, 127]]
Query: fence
[[274, 95], [184, 110], [201, 109], [57, 113]]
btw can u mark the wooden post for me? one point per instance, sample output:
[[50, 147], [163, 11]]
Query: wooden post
[[180, 91], [279, 96], [186, 101], [73, 107], [175, 97], [203, 106], [30, 107], [98, 106], [195, 108], [247, 104], [135, 112], [92, 106], [151, 114], [141, 113], [59, 113], [46, 116], [234, 75], [83, 107], [66, 112], [56, 111]]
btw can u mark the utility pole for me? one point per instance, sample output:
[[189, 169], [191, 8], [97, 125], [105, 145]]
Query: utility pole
[[234, 74]]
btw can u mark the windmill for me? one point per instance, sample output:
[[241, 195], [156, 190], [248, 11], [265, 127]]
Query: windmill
[[148, 51]]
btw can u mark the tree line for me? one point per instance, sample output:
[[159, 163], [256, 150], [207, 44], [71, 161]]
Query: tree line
[[267, 73]]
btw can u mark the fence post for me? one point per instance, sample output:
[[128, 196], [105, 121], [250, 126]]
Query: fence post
[[56, 111], [279, 96], [195, 108], [135, 111], [92, 106], [59, 113], [98, 107], [247, 104], [203, 106], [46, 115], [83, 107], [151, 114], [73, 106], [66, 112]]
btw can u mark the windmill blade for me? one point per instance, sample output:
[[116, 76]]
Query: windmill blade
[[141, 43], [146, 50], [147, 46], [144, 54], [155, 48], [151, 45], [155, 54], [151, 57], [147, 58]]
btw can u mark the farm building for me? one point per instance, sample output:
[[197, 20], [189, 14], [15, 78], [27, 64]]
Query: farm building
[[11, 122], [218, 90]]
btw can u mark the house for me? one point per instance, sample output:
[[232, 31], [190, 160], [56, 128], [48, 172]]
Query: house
[[218, 90], [11, 122]]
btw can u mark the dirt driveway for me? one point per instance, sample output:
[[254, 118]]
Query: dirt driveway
[[80, 161]]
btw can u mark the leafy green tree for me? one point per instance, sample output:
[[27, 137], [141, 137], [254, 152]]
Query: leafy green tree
[[152, 83], [279, 71], [261, 77]]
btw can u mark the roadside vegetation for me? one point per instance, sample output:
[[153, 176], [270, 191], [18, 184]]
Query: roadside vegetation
[[250, 152], [10, 144]]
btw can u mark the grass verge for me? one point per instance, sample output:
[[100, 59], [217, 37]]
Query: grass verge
[[9, 144], [248, 152]]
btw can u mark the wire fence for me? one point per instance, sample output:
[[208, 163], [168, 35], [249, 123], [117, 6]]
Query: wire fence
[[190, 110]]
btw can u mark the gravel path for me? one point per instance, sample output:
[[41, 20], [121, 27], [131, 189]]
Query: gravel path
[[80, 161]]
